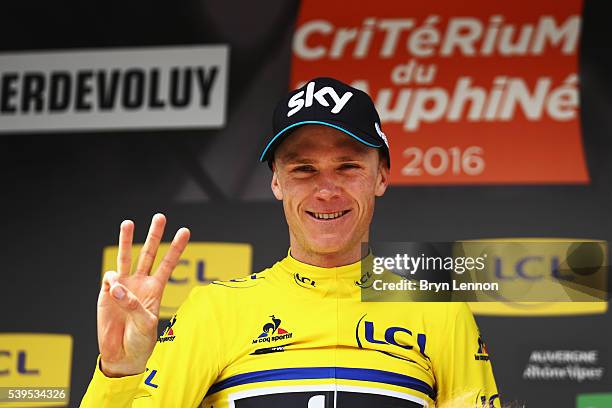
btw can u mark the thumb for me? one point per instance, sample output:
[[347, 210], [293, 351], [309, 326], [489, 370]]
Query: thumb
[[124, 298], [110, 277], [118, 292]]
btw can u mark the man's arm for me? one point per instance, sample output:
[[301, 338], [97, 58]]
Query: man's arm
[[128, 372], [464, 376], [184, 363]]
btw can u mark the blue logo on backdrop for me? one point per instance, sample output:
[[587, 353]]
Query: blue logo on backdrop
[[21, 364]]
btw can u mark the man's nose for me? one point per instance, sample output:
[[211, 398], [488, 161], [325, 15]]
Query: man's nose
[[326, 186]]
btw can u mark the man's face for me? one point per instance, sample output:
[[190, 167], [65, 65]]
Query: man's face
[[328, 182]]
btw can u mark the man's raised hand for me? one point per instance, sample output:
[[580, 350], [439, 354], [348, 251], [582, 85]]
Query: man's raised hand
[[128, 304]]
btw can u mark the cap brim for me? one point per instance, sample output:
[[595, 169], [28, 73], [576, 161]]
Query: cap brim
[[265, 155]]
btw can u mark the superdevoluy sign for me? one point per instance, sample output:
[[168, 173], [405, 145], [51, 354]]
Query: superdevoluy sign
[[108, 89]]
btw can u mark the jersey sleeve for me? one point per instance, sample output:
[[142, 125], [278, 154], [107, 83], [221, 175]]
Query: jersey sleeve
[[184, 364], [464, 376]]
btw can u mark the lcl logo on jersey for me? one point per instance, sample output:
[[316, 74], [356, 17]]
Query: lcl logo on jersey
[[484, 401], [393, 336], [365, 281], [301, 100], [303, 281]]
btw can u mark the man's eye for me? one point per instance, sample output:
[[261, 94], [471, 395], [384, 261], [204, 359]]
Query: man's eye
[[349, 166], [304, 169]]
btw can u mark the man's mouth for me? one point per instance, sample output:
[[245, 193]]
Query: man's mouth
[[327, 216]]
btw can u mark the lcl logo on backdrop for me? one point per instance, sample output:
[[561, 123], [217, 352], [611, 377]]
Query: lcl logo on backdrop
[[156, 87], [541, 266], [201, 263], [37, 361]]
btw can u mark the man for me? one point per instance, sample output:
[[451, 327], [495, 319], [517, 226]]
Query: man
[[297, 333]]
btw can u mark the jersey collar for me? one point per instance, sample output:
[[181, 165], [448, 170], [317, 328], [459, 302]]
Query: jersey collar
[[338, 281]]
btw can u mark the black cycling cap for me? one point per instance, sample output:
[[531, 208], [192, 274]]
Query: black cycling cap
[[329, 102]]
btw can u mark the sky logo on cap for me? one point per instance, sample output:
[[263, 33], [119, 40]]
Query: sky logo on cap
[[304, 100]]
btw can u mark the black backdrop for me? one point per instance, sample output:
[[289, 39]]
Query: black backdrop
[[64, 194]]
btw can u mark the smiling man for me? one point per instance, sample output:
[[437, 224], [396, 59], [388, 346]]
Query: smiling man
[[327, 183], [296, 334]]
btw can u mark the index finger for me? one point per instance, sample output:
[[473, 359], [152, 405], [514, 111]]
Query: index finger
[[167, 265], [124, 255]]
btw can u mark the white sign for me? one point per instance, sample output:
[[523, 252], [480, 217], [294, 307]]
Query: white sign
[[128, 88]]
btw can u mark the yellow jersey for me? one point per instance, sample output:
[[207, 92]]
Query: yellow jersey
[[297, 335]]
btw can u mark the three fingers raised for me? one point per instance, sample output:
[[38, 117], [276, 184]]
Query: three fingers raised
[[147, 254]]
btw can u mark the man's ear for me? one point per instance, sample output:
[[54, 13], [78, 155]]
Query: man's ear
[[382, 179], [276, 188]]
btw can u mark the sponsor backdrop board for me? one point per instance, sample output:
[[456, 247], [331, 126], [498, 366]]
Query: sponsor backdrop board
[[36, 369], [470, 92]]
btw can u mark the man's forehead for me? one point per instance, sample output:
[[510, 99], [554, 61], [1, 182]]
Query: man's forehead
[[305, 141]]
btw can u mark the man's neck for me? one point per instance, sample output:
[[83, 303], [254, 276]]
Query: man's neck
[[325, 260]]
